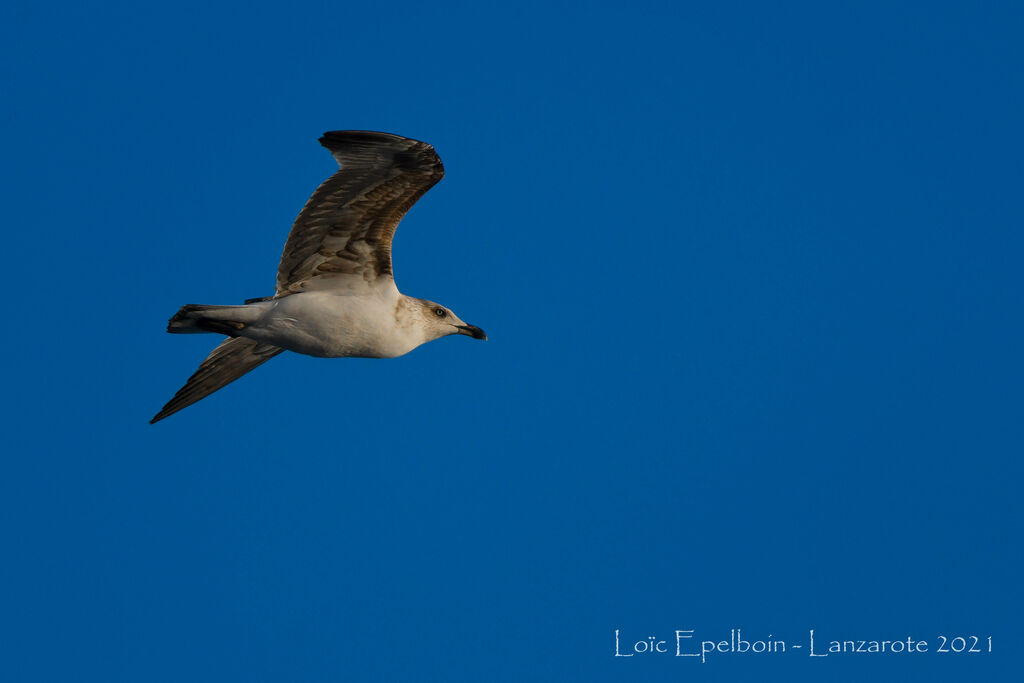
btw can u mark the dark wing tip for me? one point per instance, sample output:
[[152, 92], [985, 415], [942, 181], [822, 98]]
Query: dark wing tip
[[164, 412], [337, 138], [407, 153], [174, 405]]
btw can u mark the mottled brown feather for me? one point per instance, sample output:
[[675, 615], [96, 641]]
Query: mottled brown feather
[[226, 363], [345, 229]]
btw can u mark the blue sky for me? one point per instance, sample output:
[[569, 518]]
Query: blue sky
[[751, 277]]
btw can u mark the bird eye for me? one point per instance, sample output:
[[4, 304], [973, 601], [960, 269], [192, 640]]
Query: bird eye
[[440, 312]]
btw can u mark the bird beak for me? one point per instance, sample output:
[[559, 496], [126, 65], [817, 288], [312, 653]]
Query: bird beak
[[471, 331]]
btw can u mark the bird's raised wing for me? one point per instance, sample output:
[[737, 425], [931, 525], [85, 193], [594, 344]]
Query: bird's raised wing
[[342, 237], [230, 360]]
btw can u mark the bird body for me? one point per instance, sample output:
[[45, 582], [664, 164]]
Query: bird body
[[381, 324], [336, 295], [332, 326]]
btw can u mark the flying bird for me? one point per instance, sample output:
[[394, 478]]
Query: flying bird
[[336, 294]]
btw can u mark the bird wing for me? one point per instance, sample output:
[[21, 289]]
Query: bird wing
[[342, 237], [230, 360]]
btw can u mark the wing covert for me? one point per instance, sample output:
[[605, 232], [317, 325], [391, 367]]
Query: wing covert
[[343, 234]]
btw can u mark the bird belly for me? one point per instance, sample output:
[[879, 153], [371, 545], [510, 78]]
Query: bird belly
[[333, 326]]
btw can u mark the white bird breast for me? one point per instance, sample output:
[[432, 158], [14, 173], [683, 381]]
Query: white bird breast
[[332, 325]]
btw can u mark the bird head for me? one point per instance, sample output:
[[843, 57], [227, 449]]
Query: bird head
[[442, 321]]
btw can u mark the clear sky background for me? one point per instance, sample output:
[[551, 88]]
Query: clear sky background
[[752, 280]]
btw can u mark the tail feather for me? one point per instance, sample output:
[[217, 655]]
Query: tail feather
[[226, 363], [197, 318]]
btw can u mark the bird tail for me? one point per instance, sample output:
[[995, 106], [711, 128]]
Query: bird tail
[[229, 320]]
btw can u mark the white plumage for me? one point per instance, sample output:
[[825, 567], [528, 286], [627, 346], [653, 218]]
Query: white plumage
[[336, 295]]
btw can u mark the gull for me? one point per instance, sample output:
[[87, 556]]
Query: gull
[[336, 294]]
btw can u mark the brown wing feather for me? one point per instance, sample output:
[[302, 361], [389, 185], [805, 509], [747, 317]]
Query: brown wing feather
[[226, 363], [345, 229]]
